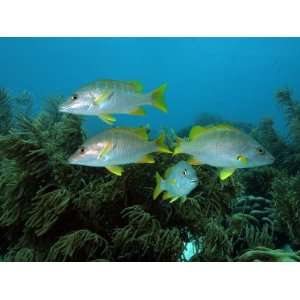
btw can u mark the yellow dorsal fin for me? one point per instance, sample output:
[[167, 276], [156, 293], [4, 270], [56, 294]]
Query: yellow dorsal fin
[[117, 170], [223, 126], [196, 131], [138, 112], [147, 159], [136, 85], [141, 132]]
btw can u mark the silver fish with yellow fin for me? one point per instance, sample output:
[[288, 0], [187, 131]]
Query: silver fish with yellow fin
[[118, 146], [225, 147], [104, 98], [179, 180]]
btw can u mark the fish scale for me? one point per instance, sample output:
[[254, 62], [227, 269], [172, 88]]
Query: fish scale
[[224, 147], [104, 98], [118, 146]]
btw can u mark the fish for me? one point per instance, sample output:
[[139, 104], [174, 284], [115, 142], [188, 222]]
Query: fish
[[225, 147], [104, 98], [179, 180], [118, 146]]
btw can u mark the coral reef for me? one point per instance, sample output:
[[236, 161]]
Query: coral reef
[[5, 112], [271, 255], [291, 109], [52, 211], [286, 198]]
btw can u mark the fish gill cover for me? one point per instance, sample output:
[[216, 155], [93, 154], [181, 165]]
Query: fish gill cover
[[53, 211]]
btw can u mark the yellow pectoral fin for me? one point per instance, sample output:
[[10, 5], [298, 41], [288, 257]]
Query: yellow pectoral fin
[[196, 131], [105, 150], [194, 161], [243, 159], [117, 170], [136, 85], [108, 119], [172, 181], [138, 112], [225, 173], [103, 97], [147, 159]]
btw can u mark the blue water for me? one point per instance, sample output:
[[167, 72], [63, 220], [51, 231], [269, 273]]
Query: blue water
[[235, 78]]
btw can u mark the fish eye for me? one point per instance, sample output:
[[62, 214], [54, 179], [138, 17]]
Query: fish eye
[[260, 151], [82, 150], [239, 157], [74, 97], [184, 172]]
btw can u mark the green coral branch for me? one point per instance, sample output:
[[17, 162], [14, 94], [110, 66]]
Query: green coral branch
[[269, 255], [79, 245]]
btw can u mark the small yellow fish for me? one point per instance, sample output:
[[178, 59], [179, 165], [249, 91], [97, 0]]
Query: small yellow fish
[[225, 147], [104, 98], [118, 146]]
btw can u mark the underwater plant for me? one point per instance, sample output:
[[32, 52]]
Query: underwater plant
[[218, 245], [267, 136], [291, 109], [269, 255], [13, 107], [251, 223], [286, 199], [5, 112], [53, 211], [258, 181]]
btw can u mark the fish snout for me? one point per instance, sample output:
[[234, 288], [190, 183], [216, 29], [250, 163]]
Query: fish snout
[[64, 107], [272, 159], [72, 160], [194, 181]]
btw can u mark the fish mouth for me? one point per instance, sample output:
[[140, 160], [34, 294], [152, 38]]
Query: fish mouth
[[194, 180], [72, 161], [64, 108], [272, 159]]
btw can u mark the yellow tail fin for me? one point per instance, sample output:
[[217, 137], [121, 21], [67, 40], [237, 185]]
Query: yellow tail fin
[[160, 142], [158, 190], [158, 98]]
